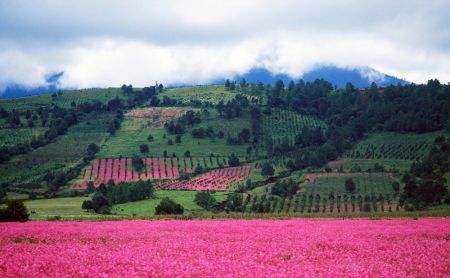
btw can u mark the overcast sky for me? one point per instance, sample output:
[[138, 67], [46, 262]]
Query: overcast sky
[[111, 42]]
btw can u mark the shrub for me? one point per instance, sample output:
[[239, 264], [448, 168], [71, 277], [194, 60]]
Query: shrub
[[205, 199], [137, 163], [233, 160], [143, 148], [267, 170], [87, 205], [16, 211], [349, 186], [234, 202], [396, 186], [168, 206]]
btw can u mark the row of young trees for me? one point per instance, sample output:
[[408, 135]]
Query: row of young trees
[[425, 183], [315, 203]]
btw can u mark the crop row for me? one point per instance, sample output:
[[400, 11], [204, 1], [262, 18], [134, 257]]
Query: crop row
[[280, 123], [323, 203], [400, 150], [121, 169], [218, 180], [14, 136]]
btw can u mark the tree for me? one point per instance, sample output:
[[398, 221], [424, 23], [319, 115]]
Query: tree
[[227, 84], [150, 138], [396, 187], [205, 199], [350, 186], [16, 211], [234, 202], [143, 148], [267, 170], [178, 139], [168, 206], [233, 161], [138, 164], [90, 187], [100, 203], [187, 153], [87, 205]]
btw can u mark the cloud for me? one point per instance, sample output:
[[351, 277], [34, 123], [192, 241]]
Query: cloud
[[111, 42]]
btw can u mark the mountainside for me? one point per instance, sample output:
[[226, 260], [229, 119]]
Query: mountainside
[[360, 77]]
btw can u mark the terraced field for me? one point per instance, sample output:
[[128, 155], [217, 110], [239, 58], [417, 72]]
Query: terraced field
[[66, 151], [121, 169], [392, 145], [202, 94], [14, 136], [281, 123]]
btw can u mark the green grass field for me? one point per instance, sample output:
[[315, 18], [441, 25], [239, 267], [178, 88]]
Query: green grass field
[[59, 206], [64, 100], [147, 207], [66, 151], [366, 183]]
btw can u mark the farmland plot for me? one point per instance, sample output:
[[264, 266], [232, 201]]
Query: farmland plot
[[217, 180], [121, 170], [281, 123], [391, 145]]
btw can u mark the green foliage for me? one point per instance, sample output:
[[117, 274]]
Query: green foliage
[[143, 148], [350, 186], [138, 163], [233, 161], [267, 169], [286, 188], [168, 206], [234, 202], [425, 183], [16, 211], [205, 199]]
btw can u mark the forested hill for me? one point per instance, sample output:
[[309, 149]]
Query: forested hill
[[268, 143]]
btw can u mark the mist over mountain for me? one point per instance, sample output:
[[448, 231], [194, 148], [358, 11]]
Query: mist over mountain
[[360, 77], [19, 90]]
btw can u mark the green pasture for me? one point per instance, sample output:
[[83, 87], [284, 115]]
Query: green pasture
[[147, 207]]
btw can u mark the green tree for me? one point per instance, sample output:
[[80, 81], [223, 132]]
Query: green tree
[[16, 211], [205, 199], [233, 161], [143, 148], [168, 206], [267, 169], [234, 202], [137, 163], [350, 186]]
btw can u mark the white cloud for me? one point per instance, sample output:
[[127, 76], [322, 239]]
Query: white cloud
[[108, 43]]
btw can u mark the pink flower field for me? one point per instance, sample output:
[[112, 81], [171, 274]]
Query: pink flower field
[[233, 248]]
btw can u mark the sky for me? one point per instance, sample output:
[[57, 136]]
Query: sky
[[106, 43]]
